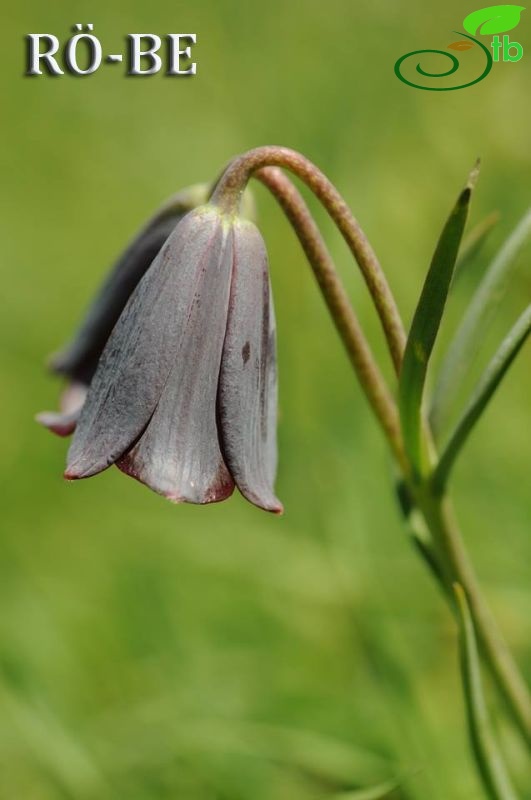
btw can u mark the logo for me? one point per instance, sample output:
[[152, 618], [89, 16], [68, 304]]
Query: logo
[[490, 21]]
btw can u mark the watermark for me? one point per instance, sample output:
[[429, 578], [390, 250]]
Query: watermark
[[82, 54], [490, 21]]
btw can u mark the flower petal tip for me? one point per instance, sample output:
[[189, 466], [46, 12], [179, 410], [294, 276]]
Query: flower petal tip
[[60, 424], [72, 474], [69, 475], [220, 490], [202, 498], [203, 501], [266, 503], [79, 469]]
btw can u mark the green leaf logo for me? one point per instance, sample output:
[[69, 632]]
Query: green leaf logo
[[493, 19]]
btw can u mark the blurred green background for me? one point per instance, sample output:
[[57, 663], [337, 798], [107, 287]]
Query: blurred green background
[[220, 653]]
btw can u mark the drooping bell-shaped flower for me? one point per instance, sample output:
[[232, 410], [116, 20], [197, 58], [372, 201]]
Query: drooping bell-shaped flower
[[185, 392]]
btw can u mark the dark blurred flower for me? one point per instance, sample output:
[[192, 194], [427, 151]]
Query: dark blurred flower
[[184, 395], [64, 421]]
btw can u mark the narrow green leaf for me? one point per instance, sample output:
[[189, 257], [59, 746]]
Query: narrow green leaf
[[473, 243], [475, 323], [481, 395], [426, 322], [373, 793], [490, 762]]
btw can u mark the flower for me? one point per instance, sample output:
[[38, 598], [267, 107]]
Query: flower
[[78, 361], [184, 394]]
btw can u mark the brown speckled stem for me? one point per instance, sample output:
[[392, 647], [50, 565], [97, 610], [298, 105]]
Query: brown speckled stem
[[338, 303], [229, 190]]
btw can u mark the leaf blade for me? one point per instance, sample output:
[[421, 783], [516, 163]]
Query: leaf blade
[[477, 318], [487, 385], [426, 323], [489, 759]]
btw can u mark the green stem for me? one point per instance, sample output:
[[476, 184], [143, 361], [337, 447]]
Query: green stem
[[456, 567], [229, 189]]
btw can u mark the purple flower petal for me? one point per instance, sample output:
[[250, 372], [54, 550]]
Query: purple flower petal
[[64, 422], [80, 358], [178, 455], [145, 344], [247, 398]]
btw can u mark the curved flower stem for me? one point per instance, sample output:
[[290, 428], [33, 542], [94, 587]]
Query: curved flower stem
[[456, 566], [230, 187], [338, 304]]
